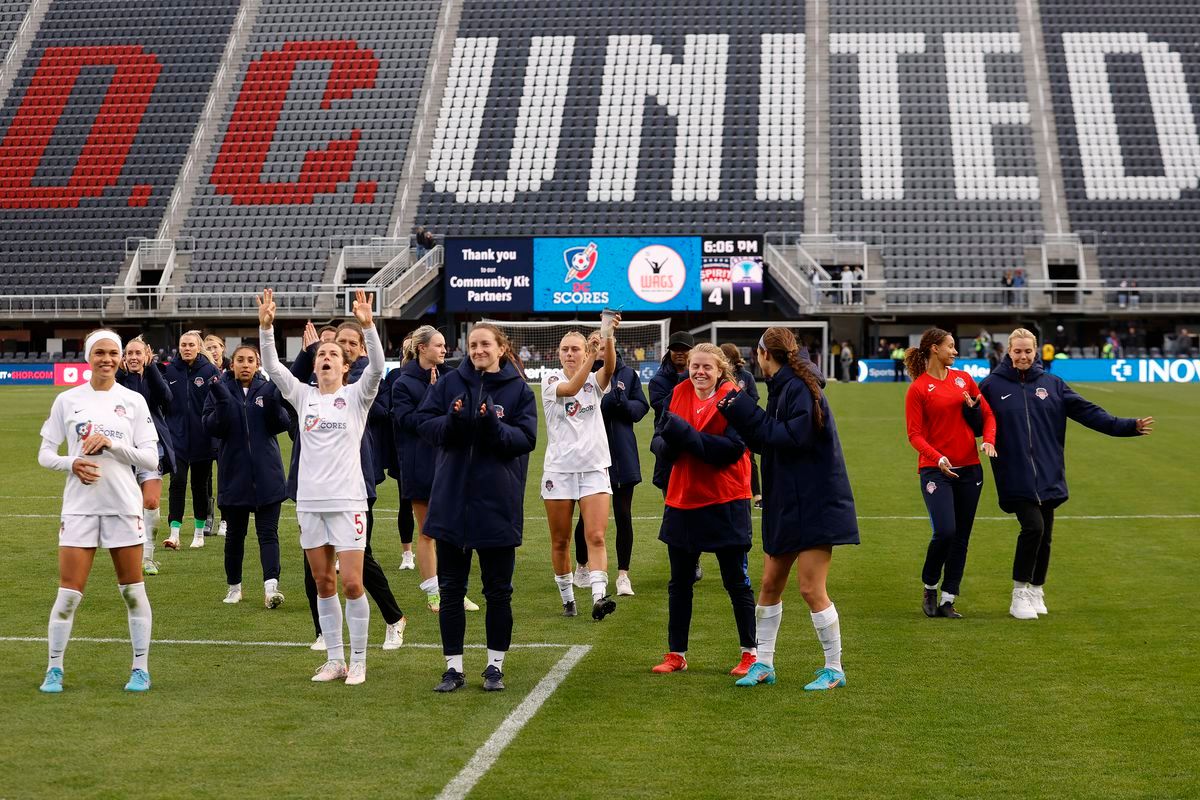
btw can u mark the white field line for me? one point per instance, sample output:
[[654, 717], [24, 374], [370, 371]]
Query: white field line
[[238, 643], [488, 753]]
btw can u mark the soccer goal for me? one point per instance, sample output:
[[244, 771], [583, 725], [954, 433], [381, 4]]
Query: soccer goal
[[813, 333], [640, 344]]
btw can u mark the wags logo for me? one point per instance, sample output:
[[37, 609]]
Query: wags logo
[[657, 273]]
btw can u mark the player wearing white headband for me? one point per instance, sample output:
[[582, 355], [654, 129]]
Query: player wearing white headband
[[108, 430]]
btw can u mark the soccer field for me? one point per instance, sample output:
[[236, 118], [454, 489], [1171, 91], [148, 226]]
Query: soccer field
[[1098, 699]]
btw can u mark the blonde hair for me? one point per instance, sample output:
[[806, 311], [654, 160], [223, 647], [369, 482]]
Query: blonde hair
[[1022, 333], [416, 340], [200, 351], [719, 355]]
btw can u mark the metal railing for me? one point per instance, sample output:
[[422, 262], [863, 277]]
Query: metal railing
[[413, 279]]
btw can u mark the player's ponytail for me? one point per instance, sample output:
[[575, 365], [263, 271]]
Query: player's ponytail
[[916, 359], [416, 340], [780, 344]]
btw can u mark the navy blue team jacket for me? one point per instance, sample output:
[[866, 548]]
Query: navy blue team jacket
[[245, 424], [1031, 410], [189, 389], [478, 493], [414, 455], [153, 386]]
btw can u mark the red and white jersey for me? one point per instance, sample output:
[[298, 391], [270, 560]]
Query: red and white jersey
[[120, 414], [331, 430], [575, 436]]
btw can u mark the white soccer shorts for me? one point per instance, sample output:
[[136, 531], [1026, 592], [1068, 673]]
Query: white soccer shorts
[[574, 485], [108, 531], [345, 530]]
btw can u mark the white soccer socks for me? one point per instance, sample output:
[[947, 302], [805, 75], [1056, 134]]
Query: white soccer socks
[[137, 606], [566, 587], [829, 633], [358, 616], [150, 518], [767, 620], [495, 659], [455, 663], [62, 617], [329, 612], [599, 581]]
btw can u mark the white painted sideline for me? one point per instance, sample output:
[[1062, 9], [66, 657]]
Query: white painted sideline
[[487, 754], [238, 643]]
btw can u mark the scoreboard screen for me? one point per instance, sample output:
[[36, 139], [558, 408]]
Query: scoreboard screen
[[731, 273]]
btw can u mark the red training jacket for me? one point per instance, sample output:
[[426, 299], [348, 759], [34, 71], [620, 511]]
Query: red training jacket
[[936, 428]]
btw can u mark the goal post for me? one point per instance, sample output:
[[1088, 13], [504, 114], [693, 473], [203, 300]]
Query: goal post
[[640, 343], [746, 334]]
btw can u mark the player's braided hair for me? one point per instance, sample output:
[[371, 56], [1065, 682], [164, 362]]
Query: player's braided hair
[[780, 344], [916, 359]]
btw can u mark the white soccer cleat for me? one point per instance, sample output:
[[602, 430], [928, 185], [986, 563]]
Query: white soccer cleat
[[624, 586], [1022, 606], [583, 578], [1038, 598], [234, 595], [273, 599], [470, 605], [221, 529], [393, 637], [408, 560], [319, 644], [172, 541], [356, 674], [197, 540], [332, 670]]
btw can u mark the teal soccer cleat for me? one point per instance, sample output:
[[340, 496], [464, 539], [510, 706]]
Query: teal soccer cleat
[[139, 681], [827, 679], [759, 673], [53, 681]]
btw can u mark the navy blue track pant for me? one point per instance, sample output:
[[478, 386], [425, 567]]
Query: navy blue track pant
[[951, 503]]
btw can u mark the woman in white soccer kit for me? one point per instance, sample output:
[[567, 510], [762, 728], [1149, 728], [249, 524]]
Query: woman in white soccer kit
[[331, 498], [576, 464], [109, 434]]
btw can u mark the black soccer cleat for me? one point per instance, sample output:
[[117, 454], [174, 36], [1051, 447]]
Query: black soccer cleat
[[603, 607], [947, 610], [452, 680], [699, 572], [569, 609], [493, 679], [929, 603]]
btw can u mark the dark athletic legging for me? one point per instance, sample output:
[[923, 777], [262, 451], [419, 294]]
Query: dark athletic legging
[[266, 527], [681, 587], [1032, 558], [405, 523], [496, 571], [951, 503], [201, 490], [622, 504], [374, 581]]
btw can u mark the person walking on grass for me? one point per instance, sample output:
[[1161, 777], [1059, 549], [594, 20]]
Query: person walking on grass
[[808, 506], [1031, 408]]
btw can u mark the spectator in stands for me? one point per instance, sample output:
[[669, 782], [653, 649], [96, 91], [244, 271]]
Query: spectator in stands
[[1123, 293], [995, 356], [847, 359], [1134, 301], [1007, 283], [1183, 343], [1021, 296], [458, 352], [525, 353], [847, 286], [859, 275], [884, 350], [815, 277]]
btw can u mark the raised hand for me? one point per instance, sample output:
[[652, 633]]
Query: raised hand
[[310, 335], [362, 308], [266, 309], [1145, 426]]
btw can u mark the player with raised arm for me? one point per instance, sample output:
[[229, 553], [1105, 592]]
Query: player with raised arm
[[577, 461], [109, 434], [331, 498]]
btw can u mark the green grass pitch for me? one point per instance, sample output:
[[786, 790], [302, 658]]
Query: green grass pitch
[[1097, 700]]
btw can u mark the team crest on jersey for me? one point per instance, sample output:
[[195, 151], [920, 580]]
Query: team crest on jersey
[[310, 421], [1041, 393], [198, 381], [621, 385], [258, 401], [339, 403], [553, 379], [119, 410], [83, 429], [549, 486], [960, 383], [499, 410], [931, 487], [741, 384]]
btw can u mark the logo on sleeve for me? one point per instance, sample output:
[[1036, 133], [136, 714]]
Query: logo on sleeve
[[960, 383], [311, 421], [258, 401], [930, 487], [119, 410], [1041, 393], [553, 379], [198, 381], [339, 403]]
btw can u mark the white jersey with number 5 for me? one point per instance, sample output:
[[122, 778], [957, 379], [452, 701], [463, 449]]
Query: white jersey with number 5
[[575, 436], [122, 416], [331, 430]]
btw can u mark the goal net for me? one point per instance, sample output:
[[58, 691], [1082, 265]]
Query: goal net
[[811, 333], [639, 344]]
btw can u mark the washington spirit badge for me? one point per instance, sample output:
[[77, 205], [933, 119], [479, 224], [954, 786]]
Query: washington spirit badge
[[931, 487], [1041, 393], [339, 403], [960, 383]]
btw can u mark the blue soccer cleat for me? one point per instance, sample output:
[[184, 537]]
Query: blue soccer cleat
[[827, 679], [139, 681], [759, 673], [53, 681]]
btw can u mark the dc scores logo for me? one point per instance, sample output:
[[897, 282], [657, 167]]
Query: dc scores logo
[[83, 429], [580, 262], [258, 401], [1041, 393], [499, 410], [657, 273], [311, 421], [572, 408]]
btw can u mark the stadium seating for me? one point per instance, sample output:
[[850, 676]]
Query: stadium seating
[[125, 82], [1147, 222], [11, 15], [343, 77], [690, 164]]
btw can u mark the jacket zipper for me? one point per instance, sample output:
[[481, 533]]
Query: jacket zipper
[[1029, 430], [249, 446]]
